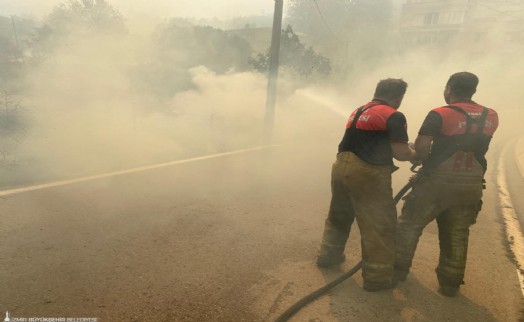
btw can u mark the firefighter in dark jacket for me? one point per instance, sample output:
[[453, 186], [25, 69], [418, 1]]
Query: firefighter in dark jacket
[[361, 185], [452, 143]]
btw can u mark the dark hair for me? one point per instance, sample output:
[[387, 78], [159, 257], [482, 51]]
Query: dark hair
[[463, 84], [390, 88]]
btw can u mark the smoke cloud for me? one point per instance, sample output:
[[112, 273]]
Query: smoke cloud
[[91, 113]]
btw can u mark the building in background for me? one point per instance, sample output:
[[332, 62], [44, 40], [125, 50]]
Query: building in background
[[472, 22]]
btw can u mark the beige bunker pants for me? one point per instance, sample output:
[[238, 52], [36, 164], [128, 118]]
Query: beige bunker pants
[[454, 200], [362, 191]]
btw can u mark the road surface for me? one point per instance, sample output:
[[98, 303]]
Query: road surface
[[232, 238]]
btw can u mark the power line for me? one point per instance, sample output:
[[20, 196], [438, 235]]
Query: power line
[[324, 20], [499, 11]]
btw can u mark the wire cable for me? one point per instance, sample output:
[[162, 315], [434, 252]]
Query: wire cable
[[324, 20], [499, 11]]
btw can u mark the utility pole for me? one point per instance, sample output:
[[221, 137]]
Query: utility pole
[[273, 70], [15, 33]]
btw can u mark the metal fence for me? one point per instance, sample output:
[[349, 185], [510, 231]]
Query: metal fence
[[14, 127]]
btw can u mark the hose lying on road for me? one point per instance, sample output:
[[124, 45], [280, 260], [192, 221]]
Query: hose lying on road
[[326, 288]]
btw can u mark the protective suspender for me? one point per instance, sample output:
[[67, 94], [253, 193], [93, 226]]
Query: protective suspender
[[481, 121], [460, 147], [359, 113]]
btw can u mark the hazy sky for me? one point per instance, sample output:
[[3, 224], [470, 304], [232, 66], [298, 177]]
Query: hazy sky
[[162, 8]]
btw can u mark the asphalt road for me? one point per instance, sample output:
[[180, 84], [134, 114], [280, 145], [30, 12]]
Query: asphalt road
[[225, 239]]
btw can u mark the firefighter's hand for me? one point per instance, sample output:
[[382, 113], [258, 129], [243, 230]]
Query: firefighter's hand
[[416, 162]]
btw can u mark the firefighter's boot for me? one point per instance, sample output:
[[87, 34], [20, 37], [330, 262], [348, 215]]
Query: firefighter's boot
[[332, 247]]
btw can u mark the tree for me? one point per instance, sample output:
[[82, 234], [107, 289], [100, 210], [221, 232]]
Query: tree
[[179, 45], [77, 19], [204, 45], [301, 59], [15, 33]]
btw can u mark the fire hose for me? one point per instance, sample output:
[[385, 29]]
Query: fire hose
[[293, 309]]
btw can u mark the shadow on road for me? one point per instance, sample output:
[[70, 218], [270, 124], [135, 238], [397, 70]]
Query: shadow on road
[[409, 301]]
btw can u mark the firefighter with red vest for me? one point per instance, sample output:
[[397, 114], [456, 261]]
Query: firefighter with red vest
[[452, 144], [361, 185]]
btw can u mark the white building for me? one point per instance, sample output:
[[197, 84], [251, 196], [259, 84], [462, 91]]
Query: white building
[[445, 22]]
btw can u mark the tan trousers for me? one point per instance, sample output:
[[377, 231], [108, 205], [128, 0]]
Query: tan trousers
[[362, 191], [454, 200]]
